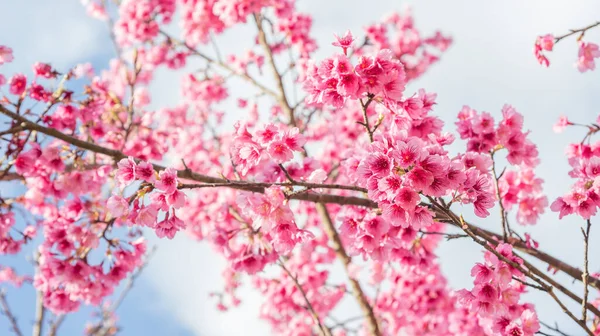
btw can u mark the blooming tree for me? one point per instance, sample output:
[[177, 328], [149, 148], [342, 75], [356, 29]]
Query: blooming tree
[[354, 172]]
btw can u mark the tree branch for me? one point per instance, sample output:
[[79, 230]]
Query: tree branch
[[40, 311], [324, 331], [186, 173], [283, 102], [575, 31], [505, 230], [584, 276], [346, 260]]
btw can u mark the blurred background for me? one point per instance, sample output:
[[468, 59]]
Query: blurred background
[[489, 64]]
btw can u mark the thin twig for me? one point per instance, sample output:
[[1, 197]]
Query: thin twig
[[346, 261], [322, 328], [505, 229], [9, 315], [555, 328], [365, 122], [575, 31], [531, 272], [283, 101]]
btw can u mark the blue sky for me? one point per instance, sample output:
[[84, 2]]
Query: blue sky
[[491, 63]]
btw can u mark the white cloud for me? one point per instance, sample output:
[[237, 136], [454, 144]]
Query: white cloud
[[58, 32]]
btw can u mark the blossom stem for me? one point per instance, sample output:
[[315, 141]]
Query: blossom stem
[[585, 275]]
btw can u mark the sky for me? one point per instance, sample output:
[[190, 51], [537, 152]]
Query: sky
[[490, 63]]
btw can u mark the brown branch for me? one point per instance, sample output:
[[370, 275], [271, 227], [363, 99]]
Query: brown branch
[[527, 271], [365, 122], [9, 315], [540, 255], [10, 176], [346, 260], [13, 176], [40, 311], [505, 230], [186, 173], [321, 208], [324, 330], [555, 328], [575, 31], [283, 102], [584, 276], [530, 271], [54, 326], [293, 183], [311, 197], [13, 130]]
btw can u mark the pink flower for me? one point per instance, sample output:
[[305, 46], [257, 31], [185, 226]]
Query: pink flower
[[546, 42], [169, 227], [147, 216], [485, 292], [317, 176], [293, 139], [513, 330], [25, 162], [17, 84], [6, 55], [344, 42], [561, 124], [117, 205], [587, 53], [167, 181], [530, 321], [279, 151], [43, 70], [407, 198], [145, 171], [126, 171], [176, 199], [482, 273]]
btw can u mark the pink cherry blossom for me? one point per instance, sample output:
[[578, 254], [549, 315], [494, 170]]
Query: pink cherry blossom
[[587, 52], [344, 42], [6, 54]]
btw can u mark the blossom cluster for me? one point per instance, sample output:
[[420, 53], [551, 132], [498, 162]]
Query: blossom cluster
[[523, 189], [496, 294], [167, 199], [587, 52], [279, 144], [336, 80], [519, 186], [584, 197]]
